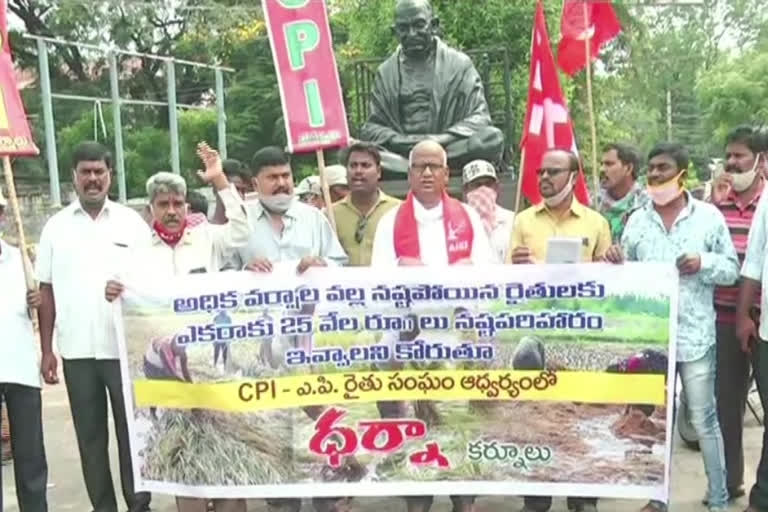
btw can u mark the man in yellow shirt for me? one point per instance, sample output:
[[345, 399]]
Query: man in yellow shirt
[[559, 215], [358, 214]]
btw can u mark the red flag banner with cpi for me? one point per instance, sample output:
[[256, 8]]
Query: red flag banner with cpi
[[547, 121], [582, 19], [15, 138], [310, 90]]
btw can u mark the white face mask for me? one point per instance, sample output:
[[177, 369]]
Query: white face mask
[[560, 196], [744, 180], [278, 203]]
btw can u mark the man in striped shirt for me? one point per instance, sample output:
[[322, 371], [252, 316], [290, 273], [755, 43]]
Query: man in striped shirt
[[736, 193]]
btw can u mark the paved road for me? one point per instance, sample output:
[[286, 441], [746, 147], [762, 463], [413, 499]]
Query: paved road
[[66, 492]]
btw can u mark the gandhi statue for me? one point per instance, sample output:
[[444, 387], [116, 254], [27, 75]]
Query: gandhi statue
[[427, 90]]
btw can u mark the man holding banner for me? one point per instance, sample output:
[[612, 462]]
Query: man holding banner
[[431, 228], [190, 250], [678, 229]]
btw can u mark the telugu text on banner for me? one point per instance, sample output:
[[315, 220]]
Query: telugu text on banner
[[517, 380]]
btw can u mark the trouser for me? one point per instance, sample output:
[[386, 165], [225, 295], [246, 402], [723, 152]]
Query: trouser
[[89, 381], [758, 498], [201, 505], [731, 388], [30, 468], [698, 379], [543, 503], [319, 504]]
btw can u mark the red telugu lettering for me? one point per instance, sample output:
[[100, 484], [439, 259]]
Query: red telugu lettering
[[325, 428], [395, 432], [431, 456]]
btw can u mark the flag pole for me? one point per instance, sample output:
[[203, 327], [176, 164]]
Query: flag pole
[[520, 172], [590, 101], [14, 202], [324, 187]]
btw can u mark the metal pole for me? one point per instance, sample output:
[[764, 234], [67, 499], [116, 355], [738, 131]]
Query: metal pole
[[669, 115], [221, 119], [50, 130], [118, 127], [173, 120]]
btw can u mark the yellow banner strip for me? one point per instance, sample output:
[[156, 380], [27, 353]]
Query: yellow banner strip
[[347, 388]]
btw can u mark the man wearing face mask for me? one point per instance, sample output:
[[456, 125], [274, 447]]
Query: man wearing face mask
[[283, 228], [558, 215], [178, 249], [736, 193], [676, 228], [481, 192], [620, 194], [81, 247]]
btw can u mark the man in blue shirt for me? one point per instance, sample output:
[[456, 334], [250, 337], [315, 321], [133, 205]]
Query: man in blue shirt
[[676, 228]]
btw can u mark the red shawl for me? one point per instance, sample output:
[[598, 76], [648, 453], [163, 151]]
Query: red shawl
[[459, 234]]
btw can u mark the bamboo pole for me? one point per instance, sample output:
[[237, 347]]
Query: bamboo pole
[[324, 187], [13, 199], [520, 173], [590, 101]]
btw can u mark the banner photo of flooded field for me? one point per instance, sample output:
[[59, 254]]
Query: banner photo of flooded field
[[515, 380]]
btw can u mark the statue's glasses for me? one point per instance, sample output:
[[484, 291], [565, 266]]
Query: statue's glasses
[[550, 171], [362, 223]]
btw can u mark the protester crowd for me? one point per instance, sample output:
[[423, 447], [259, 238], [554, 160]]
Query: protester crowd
[[94, 245]]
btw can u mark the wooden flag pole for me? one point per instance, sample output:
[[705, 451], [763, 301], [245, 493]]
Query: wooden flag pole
[[324, 187], [520, 172], [13, 199], [590, 102]]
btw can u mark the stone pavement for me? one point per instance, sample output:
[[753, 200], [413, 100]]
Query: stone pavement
[[66, 491]]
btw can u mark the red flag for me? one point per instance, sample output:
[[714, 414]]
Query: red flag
[[583, 18], [547, 121], [15, 138]]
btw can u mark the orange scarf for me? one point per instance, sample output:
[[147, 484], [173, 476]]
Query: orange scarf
[[459, 234]]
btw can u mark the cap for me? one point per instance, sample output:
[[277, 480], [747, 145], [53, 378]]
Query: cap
[[478, 169], [336, 175], [309, 185]]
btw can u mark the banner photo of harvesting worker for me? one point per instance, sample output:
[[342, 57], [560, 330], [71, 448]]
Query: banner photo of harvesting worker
[[517, 379]]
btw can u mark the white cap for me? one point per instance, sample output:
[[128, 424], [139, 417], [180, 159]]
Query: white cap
[[336, 175], [3, 202], [309, 185], [477, 169]]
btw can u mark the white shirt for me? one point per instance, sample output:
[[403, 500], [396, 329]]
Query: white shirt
[[77, 255], [431, 237], [19, 354], [755, 263], [502, 234], [203, 248]]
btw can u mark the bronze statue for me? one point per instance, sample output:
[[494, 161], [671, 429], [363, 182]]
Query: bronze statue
[[427, 90]]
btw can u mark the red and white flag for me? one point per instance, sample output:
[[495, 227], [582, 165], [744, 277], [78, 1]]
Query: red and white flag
[[595, 19], [547, 121]]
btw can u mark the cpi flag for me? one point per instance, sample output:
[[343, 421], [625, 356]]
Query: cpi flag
[[547, 122], [581, 20], [15, 138], [310, 92]]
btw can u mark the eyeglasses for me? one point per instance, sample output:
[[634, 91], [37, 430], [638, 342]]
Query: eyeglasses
[[550, 171], [433, 167], [362, 223]]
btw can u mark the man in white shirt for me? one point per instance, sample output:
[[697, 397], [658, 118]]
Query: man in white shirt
[[430, 228], [81, 247], [481, 191], [177, 250], [20, 380]]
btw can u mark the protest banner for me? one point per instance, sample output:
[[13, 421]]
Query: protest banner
[[310, 91], [521, 380]]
